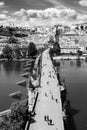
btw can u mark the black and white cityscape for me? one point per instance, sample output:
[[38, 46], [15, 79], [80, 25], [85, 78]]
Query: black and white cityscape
[[43, 65]]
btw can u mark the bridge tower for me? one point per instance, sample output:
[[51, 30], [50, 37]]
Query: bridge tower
[[57, 34], [56, 44]]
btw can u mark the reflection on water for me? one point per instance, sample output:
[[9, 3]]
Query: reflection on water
[[10, 74], [10, 67], [78, 63], [75, 73], [71, 125], [70, 122]]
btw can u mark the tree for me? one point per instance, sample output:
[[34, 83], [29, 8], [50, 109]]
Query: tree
[[79, 53], [19, 115], [15, 125], [13, 40], [19, 110], [8, 52], [24, 51], [32, 50], [85, 27], [56, 49], [5, 122], [11, 31], [17, 52], [51, 40], [77, 28], [16, 120], [82, 27]]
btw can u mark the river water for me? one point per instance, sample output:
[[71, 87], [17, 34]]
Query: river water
[[10, 74], [75, 74]]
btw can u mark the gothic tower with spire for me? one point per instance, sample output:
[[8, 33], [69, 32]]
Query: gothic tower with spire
[[57, 34], [56, 45]]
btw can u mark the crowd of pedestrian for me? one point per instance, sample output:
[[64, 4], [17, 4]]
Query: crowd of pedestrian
[[49, 121]]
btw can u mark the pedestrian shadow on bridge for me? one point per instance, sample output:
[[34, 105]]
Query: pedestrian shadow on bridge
[[70, 122], [32, 120]]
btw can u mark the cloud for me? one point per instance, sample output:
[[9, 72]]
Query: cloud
[[20, 13], [11, 21], [2, 4], [47, 13], [83, 2], [55, 3], [5, 11], [3, 16], [49, 16]]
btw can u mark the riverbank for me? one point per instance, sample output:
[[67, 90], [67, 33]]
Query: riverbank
[[61, 57], [5, 59], [68, 57]]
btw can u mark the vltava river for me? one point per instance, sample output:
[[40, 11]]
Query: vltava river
[[75, 73], [10, 74]]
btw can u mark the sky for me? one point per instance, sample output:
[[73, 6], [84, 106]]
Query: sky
[[42, 12]]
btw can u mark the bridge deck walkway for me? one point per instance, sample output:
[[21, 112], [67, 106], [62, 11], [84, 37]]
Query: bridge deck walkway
[[49, 101]]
